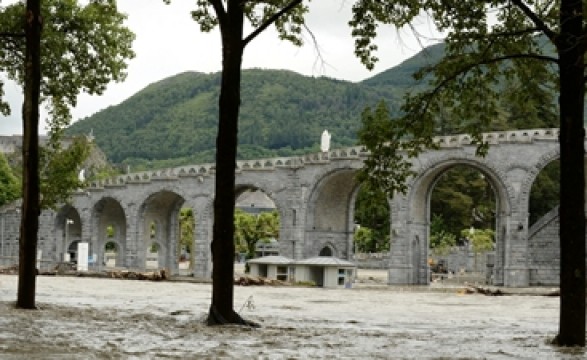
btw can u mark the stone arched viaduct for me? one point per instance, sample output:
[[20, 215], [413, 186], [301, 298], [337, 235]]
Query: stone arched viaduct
[[314, 195]]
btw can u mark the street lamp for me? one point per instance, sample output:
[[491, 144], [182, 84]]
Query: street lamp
[[65, 253]]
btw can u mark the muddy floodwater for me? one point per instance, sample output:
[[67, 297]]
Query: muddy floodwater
[[89, 318]]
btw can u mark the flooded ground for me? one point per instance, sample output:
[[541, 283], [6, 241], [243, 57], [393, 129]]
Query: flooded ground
[[88, 318]]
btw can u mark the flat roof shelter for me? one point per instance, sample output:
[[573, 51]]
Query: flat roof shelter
[[328, 272], [273, 267]]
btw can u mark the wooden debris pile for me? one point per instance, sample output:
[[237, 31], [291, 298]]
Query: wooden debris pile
[[246, 280], [9, 270], [156, 275]]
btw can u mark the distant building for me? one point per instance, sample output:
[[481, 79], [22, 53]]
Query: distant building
[[328, 272], [13, 143]]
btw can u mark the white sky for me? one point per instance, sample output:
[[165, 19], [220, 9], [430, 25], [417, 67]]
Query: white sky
[[169, 42]]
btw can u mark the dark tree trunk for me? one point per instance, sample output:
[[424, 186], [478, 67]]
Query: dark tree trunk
[[572, 177], [29, 225], [222, 307]]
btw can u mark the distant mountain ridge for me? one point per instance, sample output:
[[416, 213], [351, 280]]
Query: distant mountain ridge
[[174, 121]]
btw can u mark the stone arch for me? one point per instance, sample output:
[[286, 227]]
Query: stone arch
[[412, 211], [112, 257], [532, 174], [107, 213], [329, 216], [328, 250], [68, 230], [161, 208], [242, 188]]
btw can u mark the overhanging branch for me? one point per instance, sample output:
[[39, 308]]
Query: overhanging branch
[[540, 24], [219, 10], [270, 21], [469, 67]]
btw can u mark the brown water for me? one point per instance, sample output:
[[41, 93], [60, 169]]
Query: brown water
[[85, 318]]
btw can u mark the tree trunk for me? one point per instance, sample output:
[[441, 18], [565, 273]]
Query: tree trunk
[[29, 225], [572, 177], [222, 307]]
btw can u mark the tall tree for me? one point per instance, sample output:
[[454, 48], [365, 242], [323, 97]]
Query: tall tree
[[29, 225], [486, 42], [84, 48], [230, 17]]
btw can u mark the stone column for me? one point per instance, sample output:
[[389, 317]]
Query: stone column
[[133, 238], [291, 203], [203, 220], [516, 273], [401, 268]]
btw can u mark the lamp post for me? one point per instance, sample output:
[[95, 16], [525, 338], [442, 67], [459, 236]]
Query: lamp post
[[65, 253]]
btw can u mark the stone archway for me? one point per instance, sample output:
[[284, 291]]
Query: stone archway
[[410, 219], [159, 224], [329, 219], [110, 226], [68, 227]]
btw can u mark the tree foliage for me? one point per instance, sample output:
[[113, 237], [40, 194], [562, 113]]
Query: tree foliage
[[250, 229], [463, 198], [59, 169], [441, 241], [544, 39], [85, 47], [9, 183], [482, 240], [485, 68], [364, 240], [67, 48], [372, 215]]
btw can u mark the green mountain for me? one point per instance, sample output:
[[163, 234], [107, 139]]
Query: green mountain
[[174, 121]]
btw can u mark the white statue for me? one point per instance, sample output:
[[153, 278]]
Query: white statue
[[325, 141], [82, 175]]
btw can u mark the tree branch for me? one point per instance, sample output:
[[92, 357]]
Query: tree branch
[[12, 35], [540, 24], [270, 21], [220, 11], [469, 67]]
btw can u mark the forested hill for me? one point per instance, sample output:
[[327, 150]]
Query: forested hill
[[174, 121]]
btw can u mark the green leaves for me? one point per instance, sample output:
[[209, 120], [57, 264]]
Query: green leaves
[[372, 216], [9, 183], [249, 229], [481, 84], [60, 169], [83, 49], [481, 239], [386, 167]]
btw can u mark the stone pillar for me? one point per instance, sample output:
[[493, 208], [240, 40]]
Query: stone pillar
[[516, 273], [401, 268], [293, 214], [133, 238], [203, 220], [172, 243]]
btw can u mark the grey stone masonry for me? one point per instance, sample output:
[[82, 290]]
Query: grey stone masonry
[[137, 213]]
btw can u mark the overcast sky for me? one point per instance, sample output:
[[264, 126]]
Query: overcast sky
[[169, 42]]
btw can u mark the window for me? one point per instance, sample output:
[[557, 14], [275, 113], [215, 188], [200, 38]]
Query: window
[[282, 273], [341, 276]]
